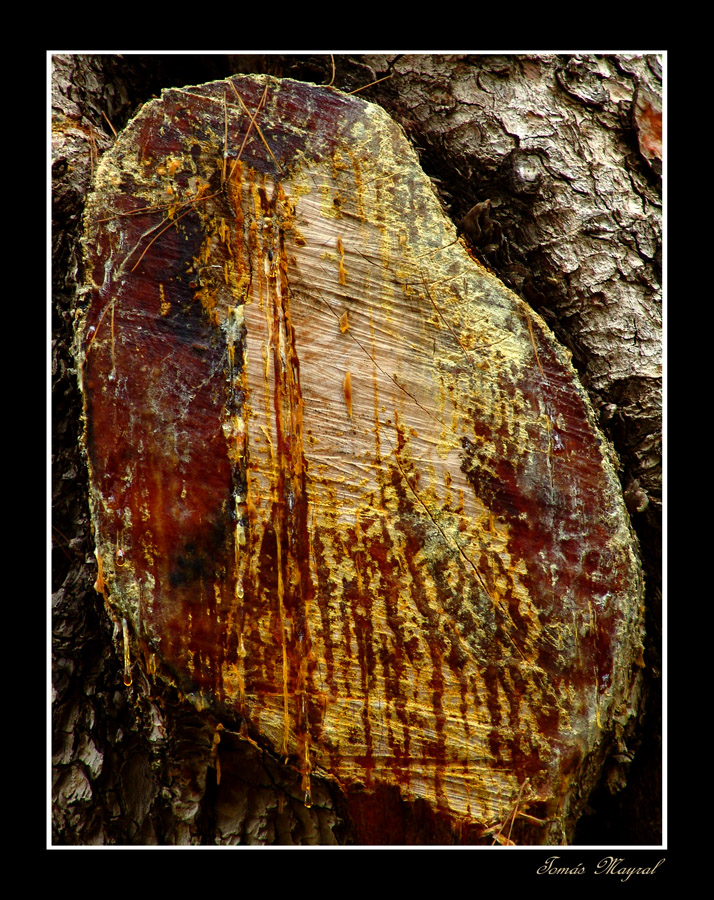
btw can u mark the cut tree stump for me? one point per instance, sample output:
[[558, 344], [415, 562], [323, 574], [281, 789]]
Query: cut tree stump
[[348, 493]]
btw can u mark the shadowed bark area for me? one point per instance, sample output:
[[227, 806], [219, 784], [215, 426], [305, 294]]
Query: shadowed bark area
[[134, 765]]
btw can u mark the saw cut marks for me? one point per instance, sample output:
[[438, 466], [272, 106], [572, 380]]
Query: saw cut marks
[[346, 487]]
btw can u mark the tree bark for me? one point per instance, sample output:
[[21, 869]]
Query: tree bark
[[570, 224]]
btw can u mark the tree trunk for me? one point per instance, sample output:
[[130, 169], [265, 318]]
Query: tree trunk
[[570, 224]]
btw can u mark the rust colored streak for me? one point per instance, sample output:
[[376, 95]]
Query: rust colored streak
[[289, 515], [648, 116], [653, 132]]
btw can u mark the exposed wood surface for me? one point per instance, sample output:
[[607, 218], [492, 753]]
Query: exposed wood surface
[[347, 490]]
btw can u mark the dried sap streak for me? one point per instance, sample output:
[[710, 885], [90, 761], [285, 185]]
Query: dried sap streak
[[330, 508], [284, 546]]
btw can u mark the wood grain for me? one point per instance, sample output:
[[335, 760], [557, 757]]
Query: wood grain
[[347, 490]]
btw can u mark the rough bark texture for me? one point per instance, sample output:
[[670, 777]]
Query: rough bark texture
[[137, 771]]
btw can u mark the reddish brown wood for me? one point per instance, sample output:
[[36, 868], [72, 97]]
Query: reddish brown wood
[[347, 490]]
